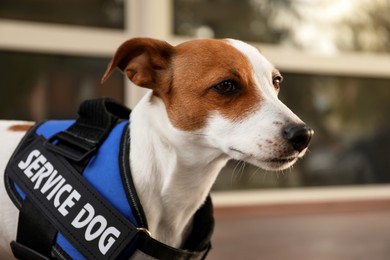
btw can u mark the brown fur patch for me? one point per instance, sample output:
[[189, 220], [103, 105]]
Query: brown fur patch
[[20, 127], [196, 67], [183, 77]]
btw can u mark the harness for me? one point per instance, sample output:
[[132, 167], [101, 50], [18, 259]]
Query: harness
[[72, 183]]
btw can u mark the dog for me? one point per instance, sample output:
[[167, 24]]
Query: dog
[[209, 101]]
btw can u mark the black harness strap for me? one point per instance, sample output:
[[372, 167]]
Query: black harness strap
[[96, 119], [77, 144], [31, 223], [197, 245]]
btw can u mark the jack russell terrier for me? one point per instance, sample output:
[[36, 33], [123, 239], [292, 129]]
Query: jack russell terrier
[[209, 101]]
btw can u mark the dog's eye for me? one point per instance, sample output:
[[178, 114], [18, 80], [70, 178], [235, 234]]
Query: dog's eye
[[227, 87], [276, 80]]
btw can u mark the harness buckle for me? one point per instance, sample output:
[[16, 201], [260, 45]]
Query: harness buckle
[[71, 146], [145, 230]]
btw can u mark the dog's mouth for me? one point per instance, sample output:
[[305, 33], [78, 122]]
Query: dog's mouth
[[282, 160], [280, 163], [272, 164]]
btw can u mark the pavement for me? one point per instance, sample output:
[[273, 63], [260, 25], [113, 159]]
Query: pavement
[[347, 230]]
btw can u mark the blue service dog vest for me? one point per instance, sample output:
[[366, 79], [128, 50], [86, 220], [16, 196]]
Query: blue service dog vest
[[84, 204]]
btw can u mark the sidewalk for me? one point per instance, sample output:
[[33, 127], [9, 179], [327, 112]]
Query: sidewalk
[[304, 231]]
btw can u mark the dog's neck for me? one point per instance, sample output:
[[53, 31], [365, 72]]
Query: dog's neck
[[173, 170]]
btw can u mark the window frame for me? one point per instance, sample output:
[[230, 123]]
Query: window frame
[[150, 18]]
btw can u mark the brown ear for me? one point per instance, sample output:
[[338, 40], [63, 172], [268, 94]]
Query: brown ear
[[143, 60]]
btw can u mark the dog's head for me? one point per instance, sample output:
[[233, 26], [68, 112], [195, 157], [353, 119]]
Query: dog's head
[[222, 90]]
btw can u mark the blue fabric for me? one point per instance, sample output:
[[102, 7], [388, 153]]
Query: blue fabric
[[50, 128], [102, 172]]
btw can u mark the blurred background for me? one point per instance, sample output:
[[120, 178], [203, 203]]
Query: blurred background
[[335, 59]]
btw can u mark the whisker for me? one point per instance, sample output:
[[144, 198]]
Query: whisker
[[233, 176], [243, 168], [253, 174]]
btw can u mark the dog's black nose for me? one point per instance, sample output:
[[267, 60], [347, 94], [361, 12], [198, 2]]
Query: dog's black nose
[[298, 136]]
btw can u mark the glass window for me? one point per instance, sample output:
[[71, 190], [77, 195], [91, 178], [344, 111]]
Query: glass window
[[351, 144], [326, 26], [40, 86], [96, 13]]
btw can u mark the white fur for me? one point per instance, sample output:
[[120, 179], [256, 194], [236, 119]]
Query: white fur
[[180, 166], [8, 212], [173, 170]]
